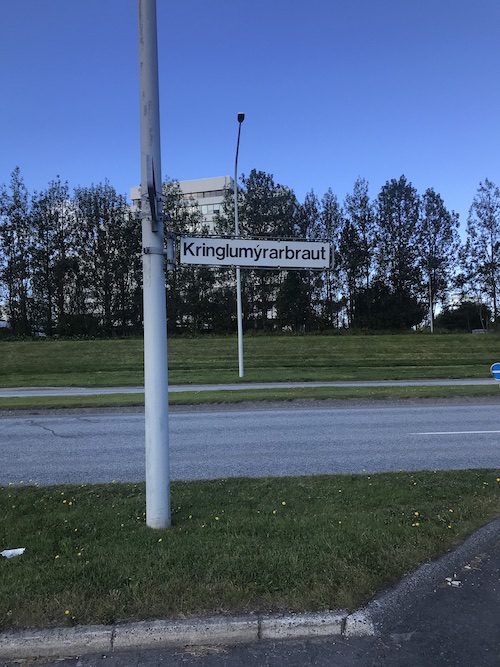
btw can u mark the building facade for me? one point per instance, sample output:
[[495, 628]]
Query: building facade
[[203, 194], [207, 194]]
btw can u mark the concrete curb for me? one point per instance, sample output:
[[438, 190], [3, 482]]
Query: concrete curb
[[55, 642], [374, 619], [213, 630], [70, 642]]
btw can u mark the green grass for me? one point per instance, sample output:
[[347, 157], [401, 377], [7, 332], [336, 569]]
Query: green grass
[[267, 358], [236, 545], [243, 395]]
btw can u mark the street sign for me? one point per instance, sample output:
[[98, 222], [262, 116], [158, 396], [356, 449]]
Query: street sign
[[495, 371], [313, 255]]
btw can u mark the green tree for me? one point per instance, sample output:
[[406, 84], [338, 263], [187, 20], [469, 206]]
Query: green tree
[[349, 263], [266, 210], [380, 308], [479, 258], [359, 212], [466, 316], [356, 241], [108, 250], [397, 254], [438, 244], [293, 302], [52, 254], [15, 233], [326, 294], [193, 292]]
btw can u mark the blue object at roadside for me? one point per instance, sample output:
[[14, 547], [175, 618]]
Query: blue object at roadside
[[495, 370]]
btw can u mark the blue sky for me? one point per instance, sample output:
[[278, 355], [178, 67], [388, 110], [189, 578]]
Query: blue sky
[[332, 90]]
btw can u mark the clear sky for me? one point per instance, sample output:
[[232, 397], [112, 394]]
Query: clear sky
[[332, 90]]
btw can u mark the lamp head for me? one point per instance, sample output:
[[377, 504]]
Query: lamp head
[[241, 117]]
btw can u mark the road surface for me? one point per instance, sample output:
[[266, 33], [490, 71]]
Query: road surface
[[97, 447]]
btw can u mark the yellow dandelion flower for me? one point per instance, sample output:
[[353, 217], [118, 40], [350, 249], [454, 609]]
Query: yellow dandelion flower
[[67, 612]]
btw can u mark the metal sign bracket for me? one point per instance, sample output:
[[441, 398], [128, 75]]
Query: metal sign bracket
[[168, 252], [152, 196]]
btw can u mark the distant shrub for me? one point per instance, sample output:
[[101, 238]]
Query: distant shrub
[[466, 316]]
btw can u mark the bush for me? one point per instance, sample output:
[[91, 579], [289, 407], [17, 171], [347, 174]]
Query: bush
[[466, 316]]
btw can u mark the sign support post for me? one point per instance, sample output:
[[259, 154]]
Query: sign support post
[[155, 316]]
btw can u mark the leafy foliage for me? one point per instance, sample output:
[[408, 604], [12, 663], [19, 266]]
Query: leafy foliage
[[464, 317], [70, 262], [479, 259]]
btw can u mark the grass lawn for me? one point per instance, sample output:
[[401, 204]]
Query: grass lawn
[[240, 396], [267, 358], [236, 545]]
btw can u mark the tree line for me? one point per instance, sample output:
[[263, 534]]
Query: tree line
[[70, 261]]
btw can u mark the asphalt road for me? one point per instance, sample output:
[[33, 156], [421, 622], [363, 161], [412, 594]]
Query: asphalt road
[[88, 447]]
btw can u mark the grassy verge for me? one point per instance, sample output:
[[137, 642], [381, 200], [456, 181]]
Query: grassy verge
[[236, 545], [267, 358], [240, 396]]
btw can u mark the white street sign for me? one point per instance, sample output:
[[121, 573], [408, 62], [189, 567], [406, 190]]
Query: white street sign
[[254, 253]]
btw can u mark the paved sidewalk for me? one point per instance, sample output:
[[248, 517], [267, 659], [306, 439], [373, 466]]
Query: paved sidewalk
[[17, 392], [446, 613]]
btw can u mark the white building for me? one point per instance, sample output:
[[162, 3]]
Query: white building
[[205, 194], [208, 194]]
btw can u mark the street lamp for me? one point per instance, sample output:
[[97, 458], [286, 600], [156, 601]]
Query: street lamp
[[239, 313]]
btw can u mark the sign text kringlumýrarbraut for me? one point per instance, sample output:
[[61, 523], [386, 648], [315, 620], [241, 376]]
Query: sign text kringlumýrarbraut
[[253, 253]]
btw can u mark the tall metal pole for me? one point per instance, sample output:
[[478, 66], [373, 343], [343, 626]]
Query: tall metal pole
[[155, 316], [239, 310]]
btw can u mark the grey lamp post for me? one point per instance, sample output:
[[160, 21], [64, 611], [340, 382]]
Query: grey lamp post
[[155, 318], [239, 312]]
